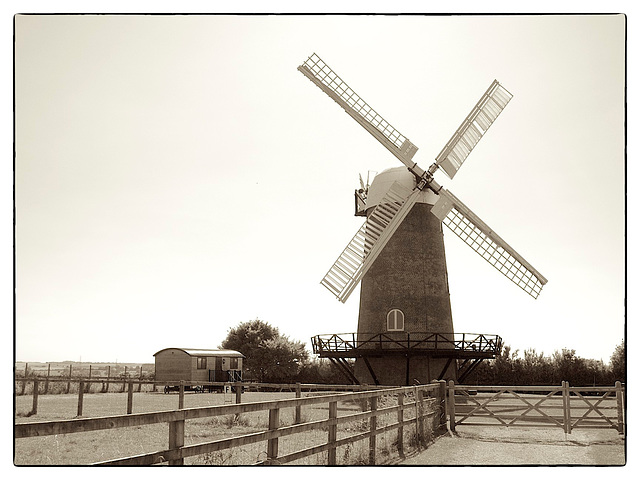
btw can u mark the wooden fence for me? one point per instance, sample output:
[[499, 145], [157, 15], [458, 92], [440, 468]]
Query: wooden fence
[[73, 372], [531, 406], [131, 386], [44, 382], [537, 406], [423, 402]]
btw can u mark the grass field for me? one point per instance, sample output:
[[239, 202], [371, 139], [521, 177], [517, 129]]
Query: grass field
[[89, 447]]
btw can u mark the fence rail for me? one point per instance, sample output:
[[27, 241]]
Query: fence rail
[[427, 401]]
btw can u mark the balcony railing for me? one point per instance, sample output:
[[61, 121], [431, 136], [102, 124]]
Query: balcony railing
[[456, 344]]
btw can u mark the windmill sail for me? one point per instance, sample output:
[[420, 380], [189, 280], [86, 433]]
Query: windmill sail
[[369, 240], [326, 79], [475, 233], [473, 127]]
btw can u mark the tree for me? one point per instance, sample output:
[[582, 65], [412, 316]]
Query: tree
[[270, 356], [321, 370], [504, 367], [535, 368], [619, 362], [283, 360], [564, 365]]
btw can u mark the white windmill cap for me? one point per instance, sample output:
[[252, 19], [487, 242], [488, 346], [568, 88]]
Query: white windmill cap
[[383, 181]]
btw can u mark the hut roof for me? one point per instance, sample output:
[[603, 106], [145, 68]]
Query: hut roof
[[204, 352]]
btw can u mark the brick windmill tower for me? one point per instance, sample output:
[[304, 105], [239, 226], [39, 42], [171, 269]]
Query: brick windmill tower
[[405, 330]]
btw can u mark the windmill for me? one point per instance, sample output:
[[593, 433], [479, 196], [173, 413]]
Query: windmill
[[405, 330]]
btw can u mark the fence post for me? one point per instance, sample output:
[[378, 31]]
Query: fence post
[[130, 398], [140, 379], [108, 378], [373, 425], [452, 405], [181, 395], [176, 439], [81, 398], [364, 403], [333, 432], [46, 381], [34, 408], [415, 398], [420, 400], [238, 392], [620, 403], [299, 407], [569, 406], [400, 423], [69, 382], [442, 403], [272, 443], [566, 406]]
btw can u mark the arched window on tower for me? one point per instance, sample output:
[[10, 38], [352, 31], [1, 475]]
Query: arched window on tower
[[395, 320]]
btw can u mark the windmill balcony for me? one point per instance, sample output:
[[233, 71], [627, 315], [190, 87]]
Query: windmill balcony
[[453, 345]]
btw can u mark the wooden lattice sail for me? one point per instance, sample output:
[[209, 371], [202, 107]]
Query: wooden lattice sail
[[363, 248]]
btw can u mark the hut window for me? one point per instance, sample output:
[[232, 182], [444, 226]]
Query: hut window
[[201, 363], [233, 364], [395, 320]]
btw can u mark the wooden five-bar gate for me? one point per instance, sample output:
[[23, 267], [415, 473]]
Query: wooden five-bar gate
[[537, 406]]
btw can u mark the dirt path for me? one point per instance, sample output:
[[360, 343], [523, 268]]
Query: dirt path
[[522, 446]]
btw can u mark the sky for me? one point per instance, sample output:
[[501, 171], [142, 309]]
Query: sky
[[176, 175]]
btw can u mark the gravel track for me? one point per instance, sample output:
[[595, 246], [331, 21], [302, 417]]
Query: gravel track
[[473, 445]]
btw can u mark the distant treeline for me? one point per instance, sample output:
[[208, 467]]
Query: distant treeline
[[511, 368], [534, 368], [287, 361]]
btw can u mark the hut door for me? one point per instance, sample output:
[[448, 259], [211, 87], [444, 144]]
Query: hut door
[[217, 375], [218, 363]]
